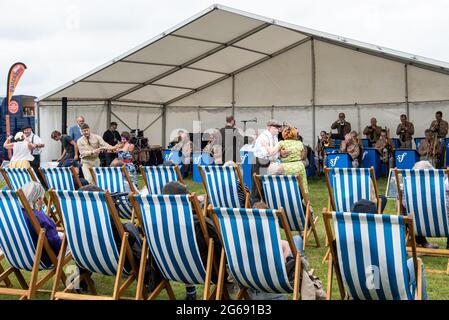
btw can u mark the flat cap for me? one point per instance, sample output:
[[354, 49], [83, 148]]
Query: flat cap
[[274, 123]]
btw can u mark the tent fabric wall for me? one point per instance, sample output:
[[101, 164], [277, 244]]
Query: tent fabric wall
[[423, 113], [219, 94], [300, 117], [345, 76], [179, 118], [425, 85]]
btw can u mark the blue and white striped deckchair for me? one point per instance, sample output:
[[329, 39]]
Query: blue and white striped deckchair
[[371, 256], [346, 186], [287, 192], [60, 178], [18, 246], [222, 185], [113, 179], [170, 232], [252, 243], [88, 219], [16, 178], [425, 200], [155, 177]]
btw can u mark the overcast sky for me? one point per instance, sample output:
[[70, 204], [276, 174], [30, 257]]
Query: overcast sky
[[61, 40]]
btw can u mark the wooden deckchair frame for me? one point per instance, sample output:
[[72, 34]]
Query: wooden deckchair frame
[[309, 221], [243, 294], [331, 200], [333, 261], [211, 263], [29, 289], [426, 251], [145, 179], [239, 177], [125, 253]]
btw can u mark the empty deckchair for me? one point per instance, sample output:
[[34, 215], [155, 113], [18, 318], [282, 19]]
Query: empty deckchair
[[253, 253], [369, 256], [168, 222], [19, 249], [155, 177], [61, 178], [16, 178], [222, 186], [287, 192], [89, 218]]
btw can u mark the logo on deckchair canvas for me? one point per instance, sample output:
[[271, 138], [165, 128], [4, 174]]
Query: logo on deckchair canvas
[[364, 154], [333, 161], [372, 277], [243, 158], [401, 157]]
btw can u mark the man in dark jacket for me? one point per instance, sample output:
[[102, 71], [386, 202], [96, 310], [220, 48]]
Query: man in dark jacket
[[111, 136], [232, 141]]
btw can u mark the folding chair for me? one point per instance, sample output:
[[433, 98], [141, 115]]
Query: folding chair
[[369, 256], [88, 220], [19, 249], [155, 177], [16, 178], [113, 179], [425, 201], [170, 234], [252, 243], [60, 178], [346, 186], [221, 184], [287, 192]]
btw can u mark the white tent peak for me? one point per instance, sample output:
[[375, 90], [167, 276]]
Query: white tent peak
[[203, 50]]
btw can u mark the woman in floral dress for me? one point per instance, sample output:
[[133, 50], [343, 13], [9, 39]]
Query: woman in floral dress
[[125, 154]]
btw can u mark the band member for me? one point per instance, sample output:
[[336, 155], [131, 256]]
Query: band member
[[324, 141], [386, 148], [343, 127], [352, 147], [372, 132], [430, 148], [439, 127], [405, 131]]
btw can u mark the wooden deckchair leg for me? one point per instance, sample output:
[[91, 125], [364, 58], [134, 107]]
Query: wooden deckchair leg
[[121, 263], [242, 294], [37, 260], [21, 279], [447, 268], [297, 278], [327, 255], [221, 272], [315, 233], [141, 276], [419, 280], [157, 290], [306, 227], [330, 273], [59, 268], [5, 279], [170, 292], [210, 257]]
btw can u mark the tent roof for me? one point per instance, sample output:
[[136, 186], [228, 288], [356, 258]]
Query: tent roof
[[209, 47]]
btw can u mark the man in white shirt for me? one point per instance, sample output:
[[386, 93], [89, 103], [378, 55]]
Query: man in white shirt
[[267, 139], [36, 149]]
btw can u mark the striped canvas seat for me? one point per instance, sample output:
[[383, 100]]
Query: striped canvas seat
[[222, 186], [112, 180], [372, 256], [15, 238], [17, 177], [88, 228], [59, 178], [350, 185], [284, 192], [425, 200], [253, 250], [170, 232], [157, 176]]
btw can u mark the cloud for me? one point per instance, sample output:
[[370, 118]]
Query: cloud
[[62, 40]]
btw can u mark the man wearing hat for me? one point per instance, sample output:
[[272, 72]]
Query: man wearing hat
[[36, 149], [268, 138]]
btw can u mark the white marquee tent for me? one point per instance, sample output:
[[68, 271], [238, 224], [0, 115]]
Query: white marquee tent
[[223, 61]]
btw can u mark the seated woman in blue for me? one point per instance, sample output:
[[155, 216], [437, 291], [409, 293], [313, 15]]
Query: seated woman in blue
[[34, 193]]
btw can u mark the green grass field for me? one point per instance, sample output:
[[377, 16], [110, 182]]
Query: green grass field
[[437, 284]]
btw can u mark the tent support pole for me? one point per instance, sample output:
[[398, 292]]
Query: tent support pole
[[233, 95], [164, 124], [406, 92], [108, 113], [313, 62], [118, 118], [64, 116], [38, 123], [152, 122]]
